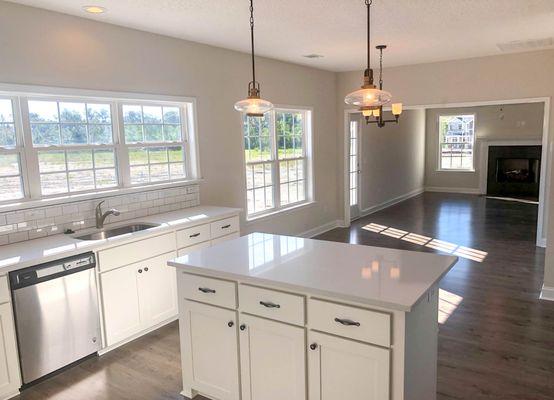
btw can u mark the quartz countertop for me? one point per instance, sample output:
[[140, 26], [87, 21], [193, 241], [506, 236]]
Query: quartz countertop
[[24, 254], [375, 276]]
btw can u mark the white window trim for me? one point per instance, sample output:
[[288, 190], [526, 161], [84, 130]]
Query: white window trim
[[31, 182], [309, 176], [439, 150]]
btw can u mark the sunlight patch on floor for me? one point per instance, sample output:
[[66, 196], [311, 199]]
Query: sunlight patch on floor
[[448, 302], [437, 244]]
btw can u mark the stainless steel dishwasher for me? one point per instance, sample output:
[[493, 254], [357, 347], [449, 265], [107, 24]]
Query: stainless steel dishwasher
[[56, 314]]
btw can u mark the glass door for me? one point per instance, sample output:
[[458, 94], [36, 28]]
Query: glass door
[[354, 168]]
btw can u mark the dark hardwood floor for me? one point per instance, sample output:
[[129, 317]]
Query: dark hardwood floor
[[496, 340]]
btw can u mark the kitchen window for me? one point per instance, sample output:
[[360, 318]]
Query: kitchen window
[[456, 142], [55, 146], [11, 179], [277, 155]]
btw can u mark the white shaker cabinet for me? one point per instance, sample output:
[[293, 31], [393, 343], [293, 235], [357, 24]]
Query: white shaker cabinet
[[209, 337], [273, 360], [10, 379], [344, 369], [138, 297]]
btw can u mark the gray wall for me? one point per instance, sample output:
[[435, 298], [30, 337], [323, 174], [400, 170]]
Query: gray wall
[[512, 122], [45, 48], [392, 159]]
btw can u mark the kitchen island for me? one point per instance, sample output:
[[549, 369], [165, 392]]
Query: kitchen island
[[269, 317]]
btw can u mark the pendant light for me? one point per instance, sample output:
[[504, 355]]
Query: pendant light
[[253, 106], [370, 99]]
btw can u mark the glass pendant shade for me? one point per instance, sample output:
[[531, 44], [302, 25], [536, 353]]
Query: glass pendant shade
[[253, 106], [368, 97], [397, 108]]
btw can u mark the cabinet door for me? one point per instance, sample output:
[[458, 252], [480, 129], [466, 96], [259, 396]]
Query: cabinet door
[[120, 301], [9, 364], [273, 360], [210, 350], [157, 288], [345, 369]]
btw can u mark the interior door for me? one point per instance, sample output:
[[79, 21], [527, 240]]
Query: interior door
[[346, 369], [354, 168], [273, 360]]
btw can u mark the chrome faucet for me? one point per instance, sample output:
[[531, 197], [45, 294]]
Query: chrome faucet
[[101, 217]]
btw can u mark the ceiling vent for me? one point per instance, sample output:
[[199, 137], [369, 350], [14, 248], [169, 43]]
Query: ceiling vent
[[526, 45]]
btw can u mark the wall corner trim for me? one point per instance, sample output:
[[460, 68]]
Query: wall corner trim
[[547, 293]]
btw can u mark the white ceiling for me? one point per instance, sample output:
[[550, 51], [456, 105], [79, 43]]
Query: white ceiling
[[417, 31]]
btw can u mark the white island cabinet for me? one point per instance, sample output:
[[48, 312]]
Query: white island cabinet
[[268, 317]]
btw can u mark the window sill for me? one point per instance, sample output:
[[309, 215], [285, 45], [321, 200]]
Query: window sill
[[51, 201], [456, 170], [279, 212]]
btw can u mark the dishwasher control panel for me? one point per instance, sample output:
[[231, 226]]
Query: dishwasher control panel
[[50, 270]]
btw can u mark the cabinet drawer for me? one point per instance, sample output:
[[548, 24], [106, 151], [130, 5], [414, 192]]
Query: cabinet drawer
[[134, 252], [224, 227], [4, 289], [272, 304], [190, 236], [208, 290], [356, 323], [224, 238]]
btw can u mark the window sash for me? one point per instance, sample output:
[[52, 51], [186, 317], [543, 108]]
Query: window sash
[[275, 161], [28, 153]]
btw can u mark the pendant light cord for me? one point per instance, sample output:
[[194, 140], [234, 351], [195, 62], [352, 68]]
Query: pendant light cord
[[252, 40], [368, 4]]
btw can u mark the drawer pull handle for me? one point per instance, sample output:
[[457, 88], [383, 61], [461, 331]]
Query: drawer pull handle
[[347, 322], [226, 226], [269, 304], [194, 235], [206, 290]]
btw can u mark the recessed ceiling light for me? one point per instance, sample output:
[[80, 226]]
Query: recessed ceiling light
[[94, 9], [313, 55]]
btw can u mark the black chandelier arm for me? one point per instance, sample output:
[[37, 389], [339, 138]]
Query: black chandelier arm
[[368, 4], [252, 40]]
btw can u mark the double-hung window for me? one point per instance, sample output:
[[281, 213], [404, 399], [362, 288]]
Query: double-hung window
[[11, 155], [278, 163], [154, 141], [56, 146], [73, 144], [456, 142]]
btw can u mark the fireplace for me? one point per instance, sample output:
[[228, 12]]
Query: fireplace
[[514, 171]]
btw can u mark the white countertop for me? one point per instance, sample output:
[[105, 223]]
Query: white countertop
[[388, 278], [32, 252]]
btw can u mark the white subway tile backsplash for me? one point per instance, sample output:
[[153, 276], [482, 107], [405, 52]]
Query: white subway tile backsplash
[[17, 226]]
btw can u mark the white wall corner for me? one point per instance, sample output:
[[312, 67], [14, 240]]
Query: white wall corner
[[391, 202], [318, 230], [547, 293], [452, 190]]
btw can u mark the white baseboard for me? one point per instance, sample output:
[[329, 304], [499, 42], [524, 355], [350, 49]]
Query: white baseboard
[[318, 230], [547, 293], [541, 242], [391, 202], [452, 190]]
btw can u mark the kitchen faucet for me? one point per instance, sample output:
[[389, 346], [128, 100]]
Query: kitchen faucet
[[101, 217]]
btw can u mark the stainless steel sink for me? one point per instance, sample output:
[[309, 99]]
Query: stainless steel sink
[[117, 231]]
